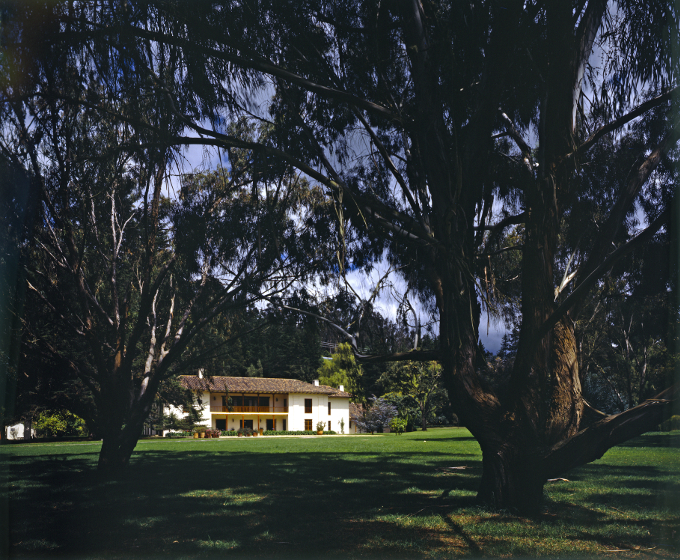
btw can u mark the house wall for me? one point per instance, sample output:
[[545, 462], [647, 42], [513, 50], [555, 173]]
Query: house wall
[[297, 415], [339, 410], [204, 418], [295, 420], [16, 432], [296, 410]]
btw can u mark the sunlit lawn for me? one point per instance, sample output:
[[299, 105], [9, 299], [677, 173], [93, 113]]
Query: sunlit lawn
[[344, 497]]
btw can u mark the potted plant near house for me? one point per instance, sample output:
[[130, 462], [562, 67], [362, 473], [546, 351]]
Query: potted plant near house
[[319, 428]]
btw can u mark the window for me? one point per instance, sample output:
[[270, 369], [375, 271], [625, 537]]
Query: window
[[329, 408], [308, 425], [221, 424], [284, 424], [329, 425], [308, 407]]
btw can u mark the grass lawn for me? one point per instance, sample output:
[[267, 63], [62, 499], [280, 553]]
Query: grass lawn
[[341, 497]]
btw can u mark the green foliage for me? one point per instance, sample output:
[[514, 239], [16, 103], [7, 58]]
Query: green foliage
[[59, 423], [397, 425], [342, 369], [320, 426], [419, 385], [671, 424], [255, 371]]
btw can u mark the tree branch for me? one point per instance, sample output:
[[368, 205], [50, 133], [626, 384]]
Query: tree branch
[[618, 123], [590, 444], [255, 62], [581, 291]]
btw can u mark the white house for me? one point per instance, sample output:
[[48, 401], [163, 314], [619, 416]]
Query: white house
[[268, 403], [17, 431]]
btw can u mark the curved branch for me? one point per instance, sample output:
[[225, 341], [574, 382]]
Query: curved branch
[[618, 123], [255, 62], [584, 287], [590, 444]]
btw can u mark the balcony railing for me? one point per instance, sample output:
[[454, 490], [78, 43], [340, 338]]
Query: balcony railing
[[250, 409]]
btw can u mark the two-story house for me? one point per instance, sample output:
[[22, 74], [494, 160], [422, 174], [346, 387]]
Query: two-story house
[[229, 403]]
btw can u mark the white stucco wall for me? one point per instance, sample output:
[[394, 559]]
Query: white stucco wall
[[295, 420], [339, 410], [18, 432], [297, 415], [204, 418]]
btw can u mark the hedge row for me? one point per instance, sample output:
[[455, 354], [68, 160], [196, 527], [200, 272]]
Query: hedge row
[[233, 433], [298, 433], [284, 433]]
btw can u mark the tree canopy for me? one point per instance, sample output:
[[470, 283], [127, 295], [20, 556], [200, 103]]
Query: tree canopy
[[435, 131]]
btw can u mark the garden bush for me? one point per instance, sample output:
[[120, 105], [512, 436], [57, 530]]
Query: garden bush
[[59, 423], [296, 433], [673, 423]]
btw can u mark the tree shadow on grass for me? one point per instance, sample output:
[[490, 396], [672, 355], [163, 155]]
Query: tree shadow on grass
[[211, 503], [199, 502]]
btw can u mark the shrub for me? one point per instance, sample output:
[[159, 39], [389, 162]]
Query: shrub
[[296, 433], [672, 423], [398, 425], [177, 434], [320, 426], [229, 433], [51, 423], [377, 416]]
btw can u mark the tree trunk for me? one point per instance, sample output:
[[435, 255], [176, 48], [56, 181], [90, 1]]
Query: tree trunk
[[116, 451], [512, 478]]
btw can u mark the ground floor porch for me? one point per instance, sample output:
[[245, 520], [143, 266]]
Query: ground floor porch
[[270, 422]]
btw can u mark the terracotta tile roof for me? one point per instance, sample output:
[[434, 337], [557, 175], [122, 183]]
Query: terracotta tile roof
[[257, 385]]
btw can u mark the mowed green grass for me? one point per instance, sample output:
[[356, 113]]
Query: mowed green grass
[[380, 496]]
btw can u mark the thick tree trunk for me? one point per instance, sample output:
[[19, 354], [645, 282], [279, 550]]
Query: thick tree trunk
[[116, 450], [512, 477], [122, 431]]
